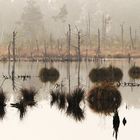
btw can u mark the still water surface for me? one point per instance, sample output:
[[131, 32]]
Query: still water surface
[[43, 122]]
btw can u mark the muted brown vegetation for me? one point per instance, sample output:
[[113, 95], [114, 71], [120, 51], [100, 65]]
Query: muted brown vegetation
[[134, 72], [104, 99], [106, 74]]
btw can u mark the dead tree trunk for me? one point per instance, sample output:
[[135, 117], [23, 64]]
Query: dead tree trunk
[[89, 29], [79, 57], [131, 39], [69, 42], [135, 41], [37, 46], [45, 49], [79, 45], [99, 44], [122, 36], [9, 58], [13, 44]]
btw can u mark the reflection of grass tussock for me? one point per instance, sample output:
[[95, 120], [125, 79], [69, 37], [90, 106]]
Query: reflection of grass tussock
[[22, 108], [134, 72], [104, 99], [29, 96], [2, 104], [49, 75], [74, 100], [58, 98], [109, 74]]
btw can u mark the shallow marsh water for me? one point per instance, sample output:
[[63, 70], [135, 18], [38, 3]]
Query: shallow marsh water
[[43, 122]]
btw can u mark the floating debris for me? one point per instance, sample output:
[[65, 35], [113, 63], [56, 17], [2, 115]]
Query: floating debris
[[104, 99], [24, 77]]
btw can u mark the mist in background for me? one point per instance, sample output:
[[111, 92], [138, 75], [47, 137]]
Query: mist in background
[[57, 14]]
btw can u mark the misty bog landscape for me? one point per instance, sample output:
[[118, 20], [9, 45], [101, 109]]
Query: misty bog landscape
[[69, 69]]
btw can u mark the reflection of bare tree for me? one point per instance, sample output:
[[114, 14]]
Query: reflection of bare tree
[[14, 59], [13, 75], [9, 58], [68, 74]]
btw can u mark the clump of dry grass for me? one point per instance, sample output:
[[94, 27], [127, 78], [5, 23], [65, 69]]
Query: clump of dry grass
[[28, 96], [74, 99], [134, 72], [109, 74], [49, 75], [58, 98]]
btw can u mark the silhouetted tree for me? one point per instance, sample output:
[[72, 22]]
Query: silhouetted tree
[[32, 21]]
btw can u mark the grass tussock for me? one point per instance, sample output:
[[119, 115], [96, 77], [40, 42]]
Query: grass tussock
[[27, 99], [134, 72], [109, 74], [49, 75], [2, 104], [74, 101], [28, 96], [104, 99], [58, 98]]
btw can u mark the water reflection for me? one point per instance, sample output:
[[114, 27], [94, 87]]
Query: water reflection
[[22, 108], [124, 121], [104, 99], [108, 74]]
